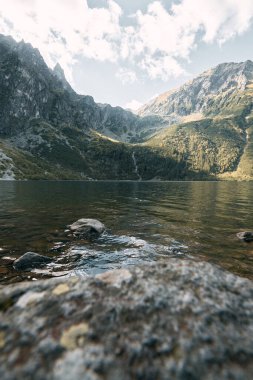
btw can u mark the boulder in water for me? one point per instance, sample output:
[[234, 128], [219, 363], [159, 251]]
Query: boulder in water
[[245, 236], [31, 260], [87, 228]]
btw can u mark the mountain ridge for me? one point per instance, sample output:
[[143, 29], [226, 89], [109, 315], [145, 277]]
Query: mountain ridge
[[236, 75], [49, 131]]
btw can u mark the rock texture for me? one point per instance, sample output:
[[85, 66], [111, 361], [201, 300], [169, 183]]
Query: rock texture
[[179, 319]]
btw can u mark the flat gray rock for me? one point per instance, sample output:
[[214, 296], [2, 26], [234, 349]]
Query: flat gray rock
[[31, 260], [87, 228], [177, 319]]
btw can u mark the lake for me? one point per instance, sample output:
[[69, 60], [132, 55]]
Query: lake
[[145, 221]]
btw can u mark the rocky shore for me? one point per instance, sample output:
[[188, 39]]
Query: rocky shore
[[177, 319]]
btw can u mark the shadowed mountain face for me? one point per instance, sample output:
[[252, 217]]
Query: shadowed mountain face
[[48, 131], [29, 89]]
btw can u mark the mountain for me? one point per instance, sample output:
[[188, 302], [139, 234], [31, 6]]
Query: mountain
[[29, 89], [48, 131], [202, 130], [207, 94], [211, 121]]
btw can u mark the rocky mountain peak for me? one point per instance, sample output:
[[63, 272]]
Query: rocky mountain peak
[[228, 75], [58, 70], [59, 73], [197, 95]]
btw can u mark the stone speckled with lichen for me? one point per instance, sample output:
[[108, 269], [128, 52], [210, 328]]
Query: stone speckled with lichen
[[178, 319]]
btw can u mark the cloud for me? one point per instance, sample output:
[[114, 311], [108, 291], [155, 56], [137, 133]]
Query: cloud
[[134, 105], [126, 76], [219, 20], [162, 38], [63, 30], [158, 42]]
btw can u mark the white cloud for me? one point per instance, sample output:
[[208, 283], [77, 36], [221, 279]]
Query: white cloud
[[126, 76], [161, 67], [63, 29], [158, 42], [134, 105], [220, 20], [164, 38]]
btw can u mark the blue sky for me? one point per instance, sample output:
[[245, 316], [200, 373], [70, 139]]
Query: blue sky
[[125, 52]]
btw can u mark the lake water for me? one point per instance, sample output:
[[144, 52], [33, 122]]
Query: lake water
[[145, 221]]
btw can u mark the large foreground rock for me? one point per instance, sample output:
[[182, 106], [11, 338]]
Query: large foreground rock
[[177, 319]]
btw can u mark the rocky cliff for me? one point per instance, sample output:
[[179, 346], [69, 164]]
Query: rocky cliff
[[30, 90]]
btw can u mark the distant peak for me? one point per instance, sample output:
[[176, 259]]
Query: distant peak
[[248, 65], [59, 73], [58, 70]]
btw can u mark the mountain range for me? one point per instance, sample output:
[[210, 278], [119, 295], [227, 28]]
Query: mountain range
[[202, 130]]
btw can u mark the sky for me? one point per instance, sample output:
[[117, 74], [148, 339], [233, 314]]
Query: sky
[[126, 52]]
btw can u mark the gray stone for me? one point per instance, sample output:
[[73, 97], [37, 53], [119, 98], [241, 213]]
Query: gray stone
[[31, 260], [115, 277], [174, 319], [246, 236], [87, 228]]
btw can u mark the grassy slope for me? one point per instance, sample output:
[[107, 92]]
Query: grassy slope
[[214, 146], [68, 153], [217, 144], [211, 145], [244, 170]]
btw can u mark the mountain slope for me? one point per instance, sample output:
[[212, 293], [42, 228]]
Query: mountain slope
[[202, 130], [48, 131], [213, 131], [209, 93]]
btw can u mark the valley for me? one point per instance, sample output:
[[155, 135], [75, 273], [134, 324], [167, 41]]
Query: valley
[[203, 130]]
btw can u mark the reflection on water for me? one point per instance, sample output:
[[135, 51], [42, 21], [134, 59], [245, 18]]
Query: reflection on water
[[144, 220]]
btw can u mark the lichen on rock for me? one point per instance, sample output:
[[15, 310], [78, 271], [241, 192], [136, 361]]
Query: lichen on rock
[[173, 319]]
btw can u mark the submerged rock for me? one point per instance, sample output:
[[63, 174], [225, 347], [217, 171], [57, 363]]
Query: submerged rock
[[31, 260], [177, 319], [87, 228], [245, 236]]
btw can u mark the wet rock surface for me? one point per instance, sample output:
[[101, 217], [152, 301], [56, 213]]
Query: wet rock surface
[[31, 260], [246, 236], [178, 319], [86, 228]]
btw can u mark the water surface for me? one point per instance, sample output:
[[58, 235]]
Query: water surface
[[145, 221]]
